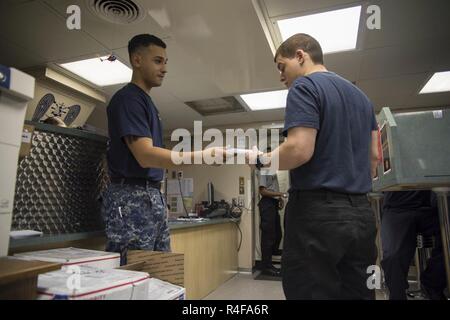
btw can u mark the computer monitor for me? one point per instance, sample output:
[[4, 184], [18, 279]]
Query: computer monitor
[[210, 193]]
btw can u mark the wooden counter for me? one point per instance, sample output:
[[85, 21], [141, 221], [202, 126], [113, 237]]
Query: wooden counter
[[18, 278], [210, 256]]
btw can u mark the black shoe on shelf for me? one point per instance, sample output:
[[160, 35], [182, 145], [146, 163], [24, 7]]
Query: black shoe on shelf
[[271, 271], [433, 294]]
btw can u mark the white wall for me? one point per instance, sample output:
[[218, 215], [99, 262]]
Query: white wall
[[226, 186]]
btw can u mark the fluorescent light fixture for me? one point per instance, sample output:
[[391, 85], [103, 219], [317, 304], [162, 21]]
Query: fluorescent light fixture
[[335, 30], [100, 71], [439, 82], [266, 100]]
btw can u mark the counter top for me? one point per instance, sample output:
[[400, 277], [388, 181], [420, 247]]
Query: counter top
[[12, 269], [52, 238], [49, 239], [174, 225]]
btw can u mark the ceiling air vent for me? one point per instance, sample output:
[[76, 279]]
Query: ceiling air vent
[[117, 11], [215, 106]]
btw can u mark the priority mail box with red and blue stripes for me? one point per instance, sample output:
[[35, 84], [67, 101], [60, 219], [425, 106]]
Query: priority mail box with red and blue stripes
[[162, 290], [91, 283]]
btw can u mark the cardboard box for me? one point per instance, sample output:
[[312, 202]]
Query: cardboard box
[[75, 256], [91, 283], [162, 265], [162, 290], [27, 138]]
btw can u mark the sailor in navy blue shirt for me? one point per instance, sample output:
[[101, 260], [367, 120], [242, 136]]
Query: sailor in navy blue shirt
[[133, 207], [331, 152], [344, 119], [131, 112]]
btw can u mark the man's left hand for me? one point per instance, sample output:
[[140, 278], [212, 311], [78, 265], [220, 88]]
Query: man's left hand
[[280, 203]]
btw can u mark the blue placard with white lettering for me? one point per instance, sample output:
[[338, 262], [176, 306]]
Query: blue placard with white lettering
[[5, 77]]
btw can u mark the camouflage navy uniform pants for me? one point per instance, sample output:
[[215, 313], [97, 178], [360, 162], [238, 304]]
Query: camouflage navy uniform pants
[[135, 219]]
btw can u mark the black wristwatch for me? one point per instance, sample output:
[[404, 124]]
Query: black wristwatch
[[259, 164]]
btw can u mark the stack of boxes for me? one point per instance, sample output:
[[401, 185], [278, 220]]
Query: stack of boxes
[[93, 275]]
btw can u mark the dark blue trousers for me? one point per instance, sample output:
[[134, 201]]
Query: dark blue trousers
[[329, 244], [270, 229], [399, 229]]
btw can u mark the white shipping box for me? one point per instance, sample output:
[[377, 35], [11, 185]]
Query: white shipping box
[[162, 290], [90, 283], [75, 256]]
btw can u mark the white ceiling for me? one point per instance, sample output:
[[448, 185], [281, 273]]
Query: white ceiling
[[218, 48]]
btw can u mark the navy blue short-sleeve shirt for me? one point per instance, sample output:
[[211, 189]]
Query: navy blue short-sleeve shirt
[[344, 119], [131, 112]]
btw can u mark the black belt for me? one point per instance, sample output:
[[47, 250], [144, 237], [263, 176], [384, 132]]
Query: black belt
[[329, 195], [269, 199], [137, 182]]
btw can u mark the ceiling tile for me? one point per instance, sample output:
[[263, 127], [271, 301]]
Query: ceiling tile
[[43, 33], [396, 60]]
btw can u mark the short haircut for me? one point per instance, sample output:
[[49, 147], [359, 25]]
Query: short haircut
[[304, 42], [143, 41]]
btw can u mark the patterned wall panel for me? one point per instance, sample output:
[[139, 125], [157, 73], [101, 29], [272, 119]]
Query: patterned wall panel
[[59, 183]]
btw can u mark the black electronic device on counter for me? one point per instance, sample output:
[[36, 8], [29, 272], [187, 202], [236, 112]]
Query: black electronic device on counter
[[217, 210]]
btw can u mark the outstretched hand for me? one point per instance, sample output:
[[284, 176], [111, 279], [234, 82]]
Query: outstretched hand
[[216, 156], [251, 156]]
